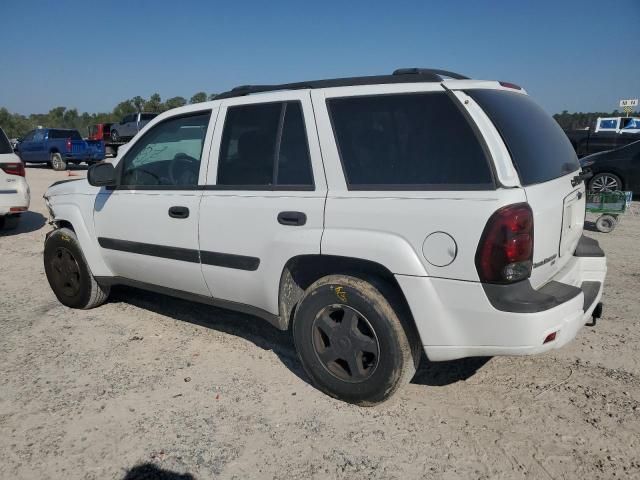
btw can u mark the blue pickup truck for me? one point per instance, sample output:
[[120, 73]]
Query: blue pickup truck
[[58, 147]]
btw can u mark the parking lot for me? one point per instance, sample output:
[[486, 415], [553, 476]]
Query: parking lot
[[192, 389]]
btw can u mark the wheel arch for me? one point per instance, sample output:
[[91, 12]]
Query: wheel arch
[[303, 270], [69, 216]]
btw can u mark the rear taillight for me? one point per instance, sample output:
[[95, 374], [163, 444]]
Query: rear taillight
[[505, 252], [68, 144], [13, 168]]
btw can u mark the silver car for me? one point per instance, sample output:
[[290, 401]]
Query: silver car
[[130, 125]]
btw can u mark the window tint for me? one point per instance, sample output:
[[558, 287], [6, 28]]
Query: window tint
[[265, 145], [148, 116], [167, 155], [29, 136], [538, 146], [418, 140], [38, 136], [5, 146]]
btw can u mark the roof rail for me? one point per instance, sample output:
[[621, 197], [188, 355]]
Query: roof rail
[[403, 75]]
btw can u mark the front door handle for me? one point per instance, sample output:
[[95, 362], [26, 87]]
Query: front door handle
[[292, 218], [178, 212]]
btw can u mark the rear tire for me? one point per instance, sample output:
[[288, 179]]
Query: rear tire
[[354, 339], [68, 272], [57, 162]]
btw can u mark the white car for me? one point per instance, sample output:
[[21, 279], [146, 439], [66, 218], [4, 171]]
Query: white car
[[14, 190], [375, 217]]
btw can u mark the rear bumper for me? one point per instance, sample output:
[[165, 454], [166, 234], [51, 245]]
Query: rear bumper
[[462, 319], [15, 196]]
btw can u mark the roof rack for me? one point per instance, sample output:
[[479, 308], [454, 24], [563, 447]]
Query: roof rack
[[402, 75]]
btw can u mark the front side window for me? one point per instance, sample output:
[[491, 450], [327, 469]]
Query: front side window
[[265, 145], [415, 141], [38, 136], [167, 155], [609, 124]]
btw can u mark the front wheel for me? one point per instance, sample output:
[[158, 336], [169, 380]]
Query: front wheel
[[57, 162], [605, 182], [354, 341], [68, 273]]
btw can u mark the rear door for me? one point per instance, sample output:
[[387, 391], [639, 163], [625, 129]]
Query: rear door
[[546, 164], [264, 202]]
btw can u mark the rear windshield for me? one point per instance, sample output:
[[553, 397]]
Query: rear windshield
[[5, 146], [539, 148], [411, 141], [72, 134]]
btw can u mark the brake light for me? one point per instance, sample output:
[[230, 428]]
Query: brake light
[[505, 251], [510, 85], [13, 168], [68, 144]]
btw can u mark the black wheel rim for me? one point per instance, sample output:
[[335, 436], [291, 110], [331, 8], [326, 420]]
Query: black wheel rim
[[65, 272], [345, 343]]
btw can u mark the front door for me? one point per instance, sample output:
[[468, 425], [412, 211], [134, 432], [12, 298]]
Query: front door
[[147, 226], [264, 202]]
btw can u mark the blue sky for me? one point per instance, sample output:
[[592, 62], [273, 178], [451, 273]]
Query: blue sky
[[573, 55]]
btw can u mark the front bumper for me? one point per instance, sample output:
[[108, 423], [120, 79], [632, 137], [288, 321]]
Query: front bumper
[[458, 319]]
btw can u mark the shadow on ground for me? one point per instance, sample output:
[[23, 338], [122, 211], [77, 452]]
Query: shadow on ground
[[267, 337], [29, 222], [149, 471]]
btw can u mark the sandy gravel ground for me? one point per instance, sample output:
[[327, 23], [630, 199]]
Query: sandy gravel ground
[[151, 384]]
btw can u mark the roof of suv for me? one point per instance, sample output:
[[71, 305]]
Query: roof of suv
[[402, 75]]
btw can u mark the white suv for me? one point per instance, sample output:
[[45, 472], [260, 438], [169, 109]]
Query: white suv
[[14, 190], [375, 216]]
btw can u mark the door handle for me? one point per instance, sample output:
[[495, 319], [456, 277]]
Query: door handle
[[292, 218], [178, 212]]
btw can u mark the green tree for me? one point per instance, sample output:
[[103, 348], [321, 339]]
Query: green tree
[[154, 104], [138, 102], [175, 102], [198, 98]]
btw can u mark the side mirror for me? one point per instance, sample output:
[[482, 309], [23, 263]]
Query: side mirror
[[102, 175]]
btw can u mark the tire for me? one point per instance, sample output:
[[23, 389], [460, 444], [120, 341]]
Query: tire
[[606, 223], [354, 339], [68, 273], [9, 222], [114, 136], [605, 182], [57, 162]]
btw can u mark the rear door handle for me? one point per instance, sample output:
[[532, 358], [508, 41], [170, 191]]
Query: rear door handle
[[178, 212], [292, 218]]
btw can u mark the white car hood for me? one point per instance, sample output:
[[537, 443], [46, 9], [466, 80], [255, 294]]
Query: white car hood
[[71, 186]]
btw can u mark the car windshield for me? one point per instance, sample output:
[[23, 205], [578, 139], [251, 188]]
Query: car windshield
[[5, 146]]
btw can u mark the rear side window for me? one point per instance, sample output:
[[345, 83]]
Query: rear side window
[[148, 116], [265, 146], [417, 141], [5, 146], [539, 148]]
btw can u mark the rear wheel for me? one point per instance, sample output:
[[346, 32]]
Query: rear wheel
[[605, 182], [57, 162], [68, 273], [355, 341]]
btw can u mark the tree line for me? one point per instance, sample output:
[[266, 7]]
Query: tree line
[[16, 125]]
